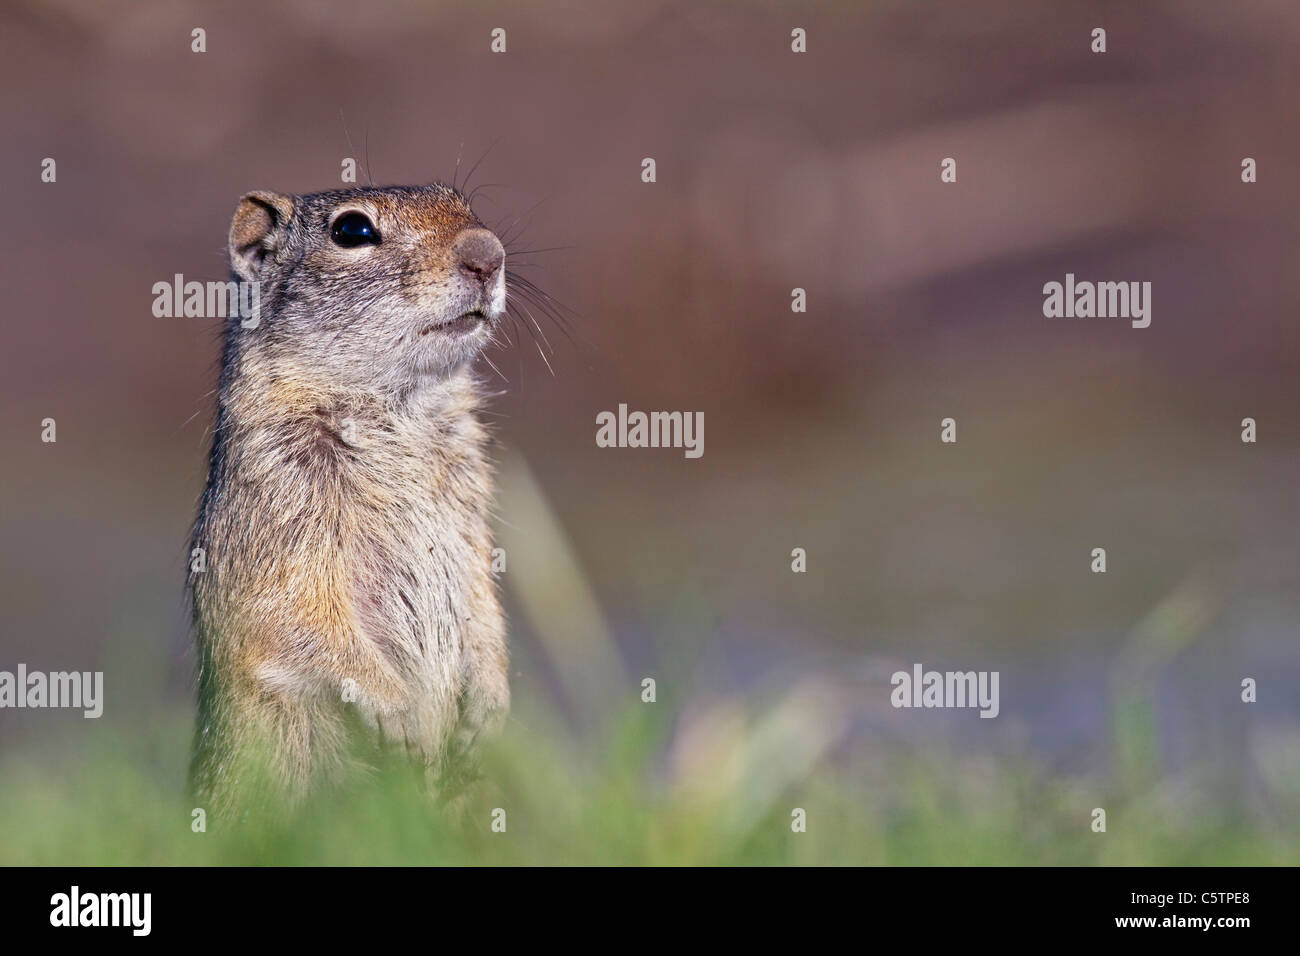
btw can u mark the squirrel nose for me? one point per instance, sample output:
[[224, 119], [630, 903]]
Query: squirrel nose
[[479, 253]]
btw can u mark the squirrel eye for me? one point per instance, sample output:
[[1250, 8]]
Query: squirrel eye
[[353, 229]]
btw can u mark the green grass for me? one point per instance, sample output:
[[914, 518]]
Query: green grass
[[649, 791]]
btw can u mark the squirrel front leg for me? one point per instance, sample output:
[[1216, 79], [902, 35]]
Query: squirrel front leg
[[485, 679]]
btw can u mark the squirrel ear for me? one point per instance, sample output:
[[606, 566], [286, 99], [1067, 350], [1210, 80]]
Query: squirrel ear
[[258, 228]]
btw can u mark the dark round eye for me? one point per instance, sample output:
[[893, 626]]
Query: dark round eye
[[354, 229]]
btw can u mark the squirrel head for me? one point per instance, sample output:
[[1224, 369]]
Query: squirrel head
[[368, 288]]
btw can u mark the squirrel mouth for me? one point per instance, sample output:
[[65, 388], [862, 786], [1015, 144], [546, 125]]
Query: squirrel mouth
[[459, 325]]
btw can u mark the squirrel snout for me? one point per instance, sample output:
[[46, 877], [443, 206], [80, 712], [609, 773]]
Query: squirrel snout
[[479, 254]]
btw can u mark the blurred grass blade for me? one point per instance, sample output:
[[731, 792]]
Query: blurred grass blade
[[543, 572]]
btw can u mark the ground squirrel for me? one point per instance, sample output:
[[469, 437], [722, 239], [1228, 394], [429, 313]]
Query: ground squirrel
[[345, 519]]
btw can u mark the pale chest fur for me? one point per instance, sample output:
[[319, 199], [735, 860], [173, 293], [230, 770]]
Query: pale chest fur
[[419, 559], [363, 552]]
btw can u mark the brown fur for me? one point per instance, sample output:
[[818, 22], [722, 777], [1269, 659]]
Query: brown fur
[[345, 518]]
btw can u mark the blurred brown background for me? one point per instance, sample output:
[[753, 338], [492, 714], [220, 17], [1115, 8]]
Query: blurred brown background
[[775, 171]]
